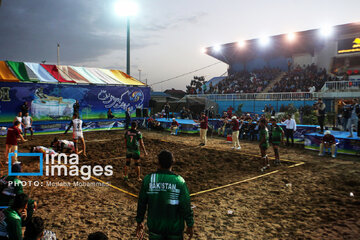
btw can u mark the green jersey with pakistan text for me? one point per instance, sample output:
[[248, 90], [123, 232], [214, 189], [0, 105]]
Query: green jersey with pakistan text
[[166, 197]]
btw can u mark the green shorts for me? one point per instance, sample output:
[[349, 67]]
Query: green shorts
[[276, 143], [264, 146], [154, 236], [133, 154]]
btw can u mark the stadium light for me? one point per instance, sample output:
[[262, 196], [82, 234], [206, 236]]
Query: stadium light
[[203, 50], [217, 48], [264, 41], [326, 31], [291, 36], [241, 44], [126, 8]]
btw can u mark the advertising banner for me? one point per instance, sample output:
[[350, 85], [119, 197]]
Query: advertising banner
[[53, 102]]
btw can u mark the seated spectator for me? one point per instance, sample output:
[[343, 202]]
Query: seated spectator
[[302, 79], [97, 236], [109, 114], [15, 216], [174, 126], [328, 141], [35, 230], [10, 187]]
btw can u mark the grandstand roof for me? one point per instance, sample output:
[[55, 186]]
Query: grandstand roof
[[306, 42]]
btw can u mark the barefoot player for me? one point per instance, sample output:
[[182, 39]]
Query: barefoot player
[[133, 140], [12, 136], [277, 137], [27, 120], [76, 123], [264, 143], [61, 145]]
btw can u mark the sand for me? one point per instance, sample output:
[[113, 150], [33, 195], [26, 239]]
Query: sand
[[311, 201]]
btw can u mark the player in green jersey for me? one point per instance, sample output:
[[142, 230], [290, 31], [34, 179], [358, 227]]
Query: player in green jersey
[[277, 137], [133, 141], [264, 143], [166, 198]]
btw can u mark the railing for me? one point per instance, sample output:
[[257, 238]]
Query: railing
[[259, 96], [334, 86]]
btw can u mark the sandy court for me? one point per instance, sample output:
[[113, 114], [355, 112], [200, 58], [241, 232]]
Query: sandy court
[[310, 201]]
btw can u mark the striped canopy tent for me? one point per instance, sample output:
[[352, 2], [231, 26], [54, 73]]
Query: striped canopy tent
[[20, 71], [5, 73], [41, 73], [11, 71], [102, 76], [110, 74], [126, 79], [70, 74], [86, 74], [53, 70]]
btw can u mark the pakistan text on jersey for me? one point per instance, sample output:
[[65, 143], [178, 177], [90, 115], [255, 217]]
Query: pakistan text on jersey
[[163, 186]]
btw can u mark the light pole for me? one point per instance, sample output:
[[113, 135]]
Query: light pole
[[139, 74], [127, 8], [128, 45]]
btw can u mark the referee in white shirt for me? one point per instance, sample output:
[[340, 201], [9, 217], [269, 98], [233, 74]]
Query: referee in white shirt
[[290, 129]]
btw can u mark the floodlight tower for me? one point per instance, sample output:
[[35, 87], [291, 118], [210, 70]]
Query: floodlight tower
[[127, 8]]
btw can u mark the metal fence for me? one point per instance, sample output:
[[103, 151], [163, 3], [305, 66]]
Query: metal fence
[[259, 96], [335, 86]]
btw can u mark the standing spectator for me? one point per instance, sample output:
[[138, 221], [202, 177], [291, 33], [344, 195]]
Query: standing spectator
[[328, 141], [183, 113], [127, 118], [76, 108], [272, 111], [24, 108], [166, 197], [346, 114], [320, 112], [229, 111], [266, 109], [203, 128], [110, 115], [289, 130], [20, 119], [174, 126], [12, 136], [167, 110], [355, 109], [235, 133], [27, 120]]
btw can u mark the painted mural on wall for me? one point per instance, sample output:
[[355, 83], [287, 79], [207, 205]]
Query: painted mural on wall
[[55, 101]]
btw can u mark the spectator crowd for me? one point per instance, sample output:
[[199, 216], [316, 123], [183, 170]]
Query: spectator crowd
[[308, 78]]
